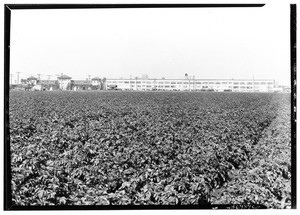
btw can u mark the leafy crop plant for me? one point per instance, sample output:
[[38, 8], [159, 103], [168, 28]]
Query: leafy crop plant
[[150, 148]]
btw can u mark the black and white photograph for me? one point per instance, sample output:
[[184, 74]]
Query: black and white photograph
[[149, 106]]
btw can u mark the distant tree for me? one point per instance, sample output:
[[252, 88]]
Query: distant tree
[[186, 76], [56, 86], [27, 88], [23, 81], [96, 87]]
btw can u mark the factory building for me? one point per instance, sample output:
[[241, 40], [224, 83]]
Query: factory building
[[65, 82], [217, 85]]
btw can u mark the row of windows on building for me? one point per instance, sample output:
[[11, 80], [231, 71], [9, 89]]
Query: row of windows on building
[[184, 86], [190, 83]]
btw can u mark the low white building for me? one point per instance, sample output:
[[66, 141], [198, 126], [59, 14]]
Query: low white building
[[37, 87], [219, 85]]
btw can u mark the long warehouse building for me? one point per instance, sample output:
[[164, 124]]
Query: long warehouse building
[[219, 85]]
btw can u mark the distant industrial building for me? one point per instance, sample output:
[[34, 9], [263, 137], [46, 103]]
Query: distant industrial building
[[218, 85], [145, 83]]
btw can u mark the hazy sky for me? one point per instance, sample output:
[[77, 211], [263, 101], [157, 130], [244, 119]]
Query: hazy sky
[[113, 43]]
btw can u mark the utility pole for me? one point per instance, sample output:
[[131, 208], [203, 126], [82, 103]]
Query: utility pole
[[18, 77], [39, 76]]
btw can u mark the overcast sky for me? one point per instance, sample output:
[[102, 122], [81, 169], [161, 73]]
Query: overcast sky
[[113, 43]]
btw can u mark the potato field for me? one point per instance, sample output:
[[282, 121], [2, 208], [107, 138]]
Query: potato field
[[150, 148]]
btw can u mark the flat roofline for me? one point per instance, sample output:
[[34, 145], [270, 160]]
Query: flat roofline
[[196, 79]]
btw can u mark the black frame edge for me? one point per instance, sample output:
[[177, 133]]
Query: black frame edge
[[7, 159], [138, 207], [92, 6], [293, 23]]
